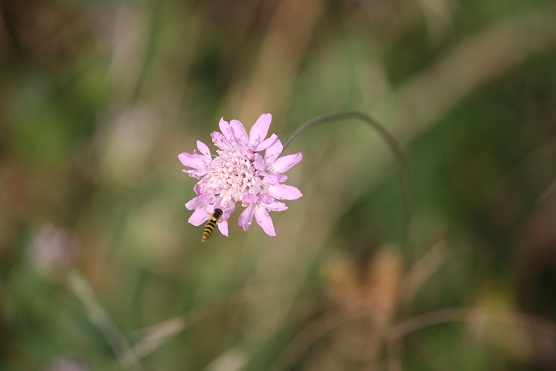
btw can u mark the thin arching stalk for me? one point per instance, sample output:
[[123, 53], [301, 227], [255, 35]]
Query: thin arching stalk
[[401, 163]]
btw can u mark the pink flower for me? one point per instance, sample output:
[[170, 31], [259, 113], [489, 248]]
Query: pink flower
[[240, 173]]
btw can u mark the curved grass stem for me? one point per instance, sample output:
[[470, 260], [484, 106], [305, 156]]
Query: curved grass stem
[[394, 147]]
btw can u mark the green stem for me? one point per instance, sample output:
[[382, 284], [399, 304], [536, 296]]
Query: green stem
[[401, 163]]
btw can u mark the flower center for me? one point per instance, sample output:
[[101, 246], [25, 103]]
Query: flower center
[[232, 175]]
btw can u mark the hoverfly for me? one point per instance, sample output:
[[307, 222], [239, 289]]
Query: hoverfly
[[209, 227]]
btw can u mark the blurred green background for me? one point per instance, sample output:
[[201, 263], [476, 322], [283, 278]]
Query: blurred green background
[[99, 269]]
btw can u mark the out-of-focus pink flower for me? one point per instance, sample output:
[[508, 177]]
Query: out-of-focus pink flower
[[53, 249], [240, 173], [66, 364]]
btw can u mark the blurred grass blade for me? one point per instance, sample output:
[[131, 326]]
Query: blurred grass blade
[[98, 316]]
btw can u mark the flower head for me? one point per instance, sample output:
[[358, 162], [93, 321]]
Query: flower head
[[240, 173]]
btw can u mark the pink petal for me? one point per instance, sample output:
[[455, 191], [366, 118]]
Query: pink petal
[[266, 143], [272, 152], [274, 178], [226, 129], [223, 227], [284, 192], [246, 217], [240, 134], [195, 173], [249, 199], [199, 216], [220, 141], [199, 186], [265, 198], [260, 129], [193, 203], [264, 220], [199, 202], [190, 160], [276, 206], [285, 163], [259, 163], [203, 148]]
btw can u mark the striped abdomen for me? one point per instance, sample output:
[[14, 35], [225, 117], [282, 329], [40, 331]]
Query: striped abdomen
[[209, 227]]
